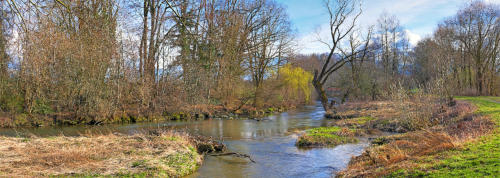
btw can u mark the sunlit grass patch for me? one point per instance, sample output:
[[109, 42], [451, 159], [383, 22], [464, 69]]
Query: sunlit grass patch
[[363, 120], [326, 136], [326, 130], [478, 158], [486, 106]]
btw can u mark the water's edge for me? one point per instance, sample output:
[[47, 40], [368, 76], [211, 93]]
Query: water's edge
[[269, 141]]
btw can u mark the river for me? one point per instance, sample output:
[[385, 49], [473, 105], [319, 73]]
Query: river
[[270, 142]]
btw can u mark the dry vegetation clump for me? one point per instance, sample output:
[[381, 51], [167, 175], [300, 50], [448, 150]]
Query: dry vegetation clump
[[432, 126], [386, 115], [381, 160], [377, 109], [411, 114], [471, 126], [160, 154]]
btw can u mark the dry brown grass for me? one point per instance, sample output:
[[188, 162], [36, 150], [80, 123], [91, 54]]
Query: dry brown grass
[[377, 109], [98, 155], [431, 125], [381, 160], [402, 116], [403, 151]]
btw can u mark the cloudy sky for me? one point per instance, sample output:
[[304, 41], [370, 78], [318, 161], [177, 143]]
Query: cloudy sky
[[418, 17]]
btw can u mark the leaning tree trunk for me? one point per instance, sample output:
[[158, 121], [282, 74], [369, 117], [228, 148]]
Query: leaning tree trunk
[[322, 95]]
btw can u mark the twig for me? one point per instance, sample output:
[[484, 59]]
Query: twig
[[235, 154]]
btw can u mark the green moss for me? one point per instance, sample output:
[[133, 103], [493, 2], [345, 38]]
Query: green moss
[[124, 119], [324, 130], [175, 116], [363, 120], [183, 163], [325, 136], [141, 119], [480, 158]]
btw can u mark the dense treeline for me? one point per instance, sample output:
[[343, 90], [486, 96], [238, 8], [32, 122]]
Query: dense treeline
[[460, 58], [92, 61], [109, 60], [464, 51]]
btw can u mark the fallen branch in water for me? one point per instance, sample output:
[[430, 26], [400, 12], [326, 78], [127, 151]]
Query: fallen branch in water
[[207, 144], [235, 154]]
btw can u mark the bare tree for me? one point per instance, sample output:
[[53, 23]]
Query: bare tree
[[268, 40], [4, 58], [477, 28], [343, 16]]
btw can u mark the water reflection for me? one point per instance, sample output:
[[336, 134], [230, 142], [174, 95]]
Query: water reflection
[[269, 142]]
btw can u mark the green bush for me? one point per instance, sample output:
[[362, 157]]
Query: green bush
[[41, 107], [11, 103]]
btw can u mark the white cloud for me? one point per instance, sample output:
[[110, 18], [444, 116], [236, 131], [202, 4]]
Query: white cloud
[[493, 1], [419, 17], [413, 37], [309, 43]]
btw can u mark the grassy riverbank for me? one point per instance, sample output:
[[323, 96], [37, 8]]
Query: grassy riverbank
[[160, 154], [457, 141], [326, 136], [477, 158]]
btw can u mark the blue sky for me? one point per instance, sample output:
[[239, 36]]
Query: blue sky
[[418, 17]]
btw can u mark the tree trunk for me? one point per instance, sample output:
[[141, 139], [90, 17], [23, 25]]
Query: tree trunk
[[322, 95], [258, 96], [480, 81]]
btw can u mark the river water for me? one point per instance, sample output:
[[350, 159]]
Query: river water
[[270, 142]]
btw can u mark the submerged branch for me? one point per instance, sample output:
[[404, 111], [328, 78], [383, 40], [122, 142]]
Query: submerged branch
[[234, 154]]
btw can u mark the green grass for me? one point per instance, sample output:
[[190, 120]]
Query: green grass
[[480, 158], [182, 163], [324, 136], [326, 130], [493, 98], [363, 120], [486, 106]]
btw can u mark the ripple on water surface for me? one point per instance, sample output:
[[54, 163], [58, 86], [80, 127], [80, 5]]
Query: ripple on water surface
[[271, 143]]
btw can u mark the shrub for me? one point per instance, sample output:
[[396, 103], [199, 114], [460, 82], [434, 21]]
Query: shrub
[[41, 107]]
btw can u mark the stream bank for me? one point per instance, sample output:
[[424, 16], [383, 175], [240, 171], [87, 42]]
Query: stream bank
[[269, 141], [25, 120], [153, 154], [434, 140]]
